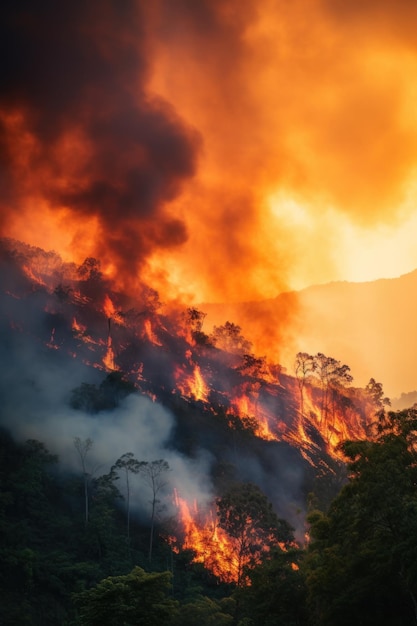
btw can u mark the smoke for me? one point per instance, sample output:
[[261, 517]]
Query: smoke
[[82, 142], [46, 356], [219, 150], [36, 385], [310, 133]]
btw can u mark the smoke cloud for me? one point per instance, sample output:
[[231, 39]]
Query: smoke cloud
[[36, 385], [81, 139], [217, 151]]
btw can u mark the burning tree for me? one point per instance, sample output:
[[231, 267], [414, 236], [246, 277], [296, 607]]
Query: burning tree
[[194, 320], [375, 395], [332, 375], [229, 338], [245, 513], [304, 366]]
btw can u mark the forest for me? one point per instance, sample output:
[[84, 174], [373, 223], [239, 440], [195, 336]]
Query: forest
[[153, 473], [64, 563]]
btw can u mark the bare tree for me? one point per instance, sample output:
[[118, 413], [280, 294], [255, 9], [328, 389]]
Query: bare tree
[[128, 465], [303, 367], [83, 447], [154, 474], [379, 403], [333, 376]]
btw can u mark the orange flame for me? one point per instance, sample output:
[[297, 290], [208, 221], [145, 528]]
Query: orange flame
[[34, 277], [334, 422], [211, 545], [244, 406], [150, 333], [108, 307], [108, 359], [192, 385]]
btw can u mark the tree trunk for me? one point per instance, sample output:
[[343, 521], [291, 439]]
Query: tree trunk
[[152, 525]]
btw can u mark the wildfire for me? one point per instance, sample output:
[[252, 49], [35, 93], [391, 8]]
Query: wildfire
[[192, 385], [263, 398], [108, 359], [78, 329], [150, 333], [108, 307], [211, 545], [336, 422], [244, 406], [34, 277]]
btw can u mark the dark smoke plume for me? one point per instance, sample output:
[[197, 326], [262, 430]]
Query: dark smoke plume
[[74, 76]]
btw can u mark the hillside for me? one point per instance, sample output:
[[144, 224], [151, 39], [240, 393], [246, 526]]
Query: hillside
[[203, 403], [370, 326], [131, 438]]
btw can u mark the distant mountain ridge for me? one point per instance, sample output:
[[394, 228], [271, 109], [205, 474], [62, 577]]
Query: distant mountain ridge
[[371, 326]]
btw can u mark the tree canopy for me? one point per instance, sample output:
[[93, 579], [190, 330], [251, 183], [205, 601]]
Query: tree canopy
[[362, 560], [136, 599], [245, 513]]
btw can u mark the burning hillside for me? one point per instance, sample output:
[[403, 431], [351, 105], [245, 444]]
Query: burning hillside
[[229, 408]]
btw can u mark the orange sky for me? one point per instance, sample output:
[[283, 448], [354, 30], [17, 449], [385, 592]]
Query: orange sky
[[224, 150]]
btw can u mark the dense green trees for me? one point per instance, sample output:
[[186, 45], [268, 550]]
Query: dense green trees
[[361, 563], [136, 599], [277, 591]]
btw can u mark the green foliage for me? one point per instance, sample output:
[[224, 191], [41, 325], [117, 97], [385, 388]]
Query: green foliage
[[205, 611], [138, 598], [362, 557], [277, 592]]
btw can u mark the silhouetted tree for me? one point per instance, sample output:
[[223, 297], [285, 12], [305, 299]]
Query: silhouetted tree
[[229, 338], [154, 474], [83, 447], [128, 465], [379, 402], [333, 376], [303, 367]]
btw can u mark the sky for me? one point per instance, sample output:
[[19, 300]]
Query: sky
[[220, 150]]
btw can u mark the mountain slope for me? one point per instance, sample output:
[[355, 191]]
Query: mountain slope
[[370, 326]]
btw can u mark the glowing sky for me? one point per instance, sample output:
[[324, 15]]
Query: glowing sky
[[221, 149]]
